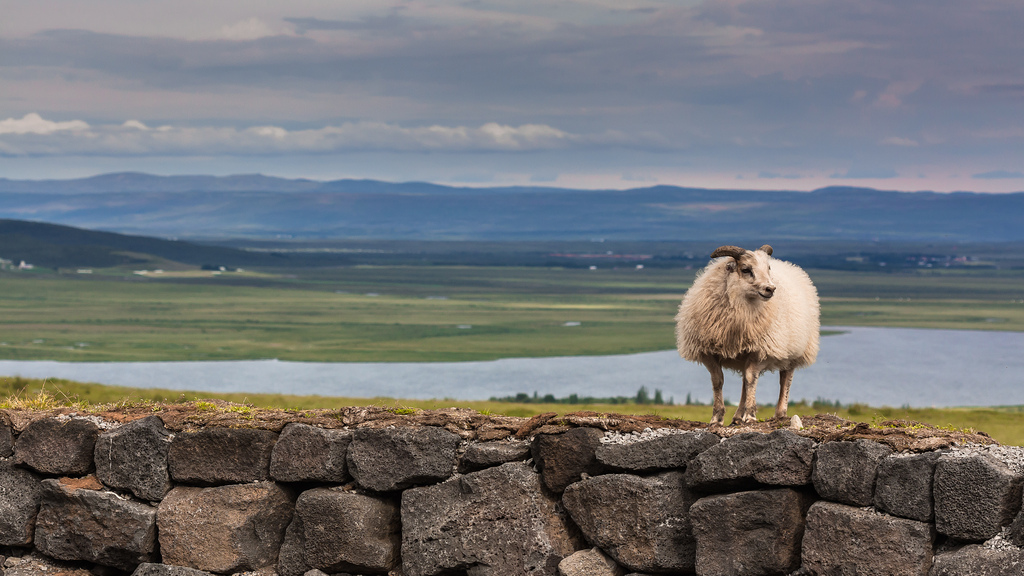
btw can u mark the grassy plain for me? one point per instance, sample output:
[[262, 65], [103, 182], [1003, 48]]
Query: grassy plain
[[1002, 423], [433, 313]]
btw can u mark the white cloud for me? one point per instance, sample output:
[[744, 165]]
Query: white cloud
[[251, 29], [34, 135], [33, 123]]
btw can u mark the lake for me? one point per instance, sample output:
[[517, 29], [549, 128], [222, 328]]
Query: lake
[[876, 366]]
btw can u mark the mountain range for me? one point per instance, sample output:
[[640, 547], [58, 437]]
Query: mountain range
[[256, 206]]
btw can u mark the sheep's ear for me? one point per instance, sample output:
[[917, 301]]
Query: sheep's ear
[[766, 249], [734, 251], [730, 266]]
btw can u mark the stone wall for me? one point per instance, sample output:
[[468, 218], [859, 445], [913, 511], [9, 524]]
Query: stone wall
[[82, 494]]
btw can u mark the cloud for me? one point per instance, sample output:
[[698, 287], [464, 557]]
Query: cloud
[[898, 141], [303, 25], [33, 123], [250, 29], [998, 175], [33, 135], [863, 172]]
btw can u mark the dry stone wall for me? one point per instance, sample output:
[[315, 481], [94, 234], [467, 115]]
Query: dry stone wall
[[80, 495]]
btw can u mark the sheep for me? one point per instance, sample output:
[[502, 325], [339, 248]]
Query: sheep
[[750, 313]]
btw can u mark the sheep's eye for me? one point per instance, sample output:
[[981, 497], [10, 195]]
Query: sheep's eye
[[748, 271]]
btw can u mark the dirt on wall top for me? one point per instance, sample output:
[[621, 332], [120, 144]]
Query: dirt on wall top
[[472, 425]]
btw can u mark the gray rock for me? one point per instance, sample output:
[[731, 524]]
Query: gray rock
[[214, 456], [307, 453], [845, 472], [6, 436], [57, 446], [591, 562], [482, 455], [224, 529], [20, 493], [975, 496], [94, 526], [673, 451], [133, 457], [750, 533], [563, 458], [397, 458], [341, 531], [150, 569], [781, 458], [643, 523], [842, 540], [1015, 533], [904, 486], [977, 560], [497, 521]]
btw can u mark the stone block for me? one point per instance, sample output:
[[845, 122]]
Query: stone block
[[224, 529], [496, 521], [57, 446], [307, 453], [563, 458], [337, 531], [903, 486], [672, 451], [1015, 533], [6, 436], [20, 493], [480, 455], [214, 456], [79, 521], [133, 458], [978, 560], [841, 539], [151, 569], [641, 522], [845, 472], [781, 458], [591, 562], [750, 533], [391, 459], [975, 496]]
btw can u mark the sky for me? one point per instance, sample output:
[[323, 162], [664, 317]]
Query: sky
[[756, 94]]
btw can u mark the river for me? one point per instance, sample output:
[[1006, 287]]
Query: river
[[876, 366]]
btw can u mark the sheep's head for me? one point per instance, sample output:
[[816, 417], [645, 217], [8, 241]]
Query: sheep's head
[[749, 272]]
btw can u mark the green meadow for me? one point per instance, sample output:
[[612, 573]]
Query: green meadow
[[432, 313], [444, 313]]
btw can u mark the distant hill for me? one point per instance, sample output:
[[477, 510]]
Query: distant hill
[[55, 246], [255, 206]]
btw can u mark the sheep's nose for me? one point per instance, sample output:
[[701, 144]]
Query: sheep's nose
[[768, 291]]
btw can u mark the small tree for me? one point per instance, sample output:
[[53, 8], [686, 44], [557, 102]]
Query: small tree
[[642, 396]]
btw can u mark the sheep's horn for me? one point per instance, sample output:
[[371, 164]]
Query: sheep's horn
[[734, 251], [766, 249]]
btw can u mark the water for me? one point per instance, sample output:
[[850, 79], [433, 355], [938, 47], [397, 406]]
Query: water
[[877, 366]]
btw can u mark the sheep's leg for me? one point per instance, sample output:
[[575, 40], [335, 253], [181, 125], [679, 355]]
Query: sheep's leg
[[785, 379], [717, 384], [747, 412]]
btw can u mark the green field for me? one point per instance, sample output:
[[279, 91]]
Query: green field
[[438, 313], [432, 313]]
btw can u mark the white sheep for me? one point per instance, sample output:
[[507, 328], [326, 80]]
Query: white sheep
[[750, 313]]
